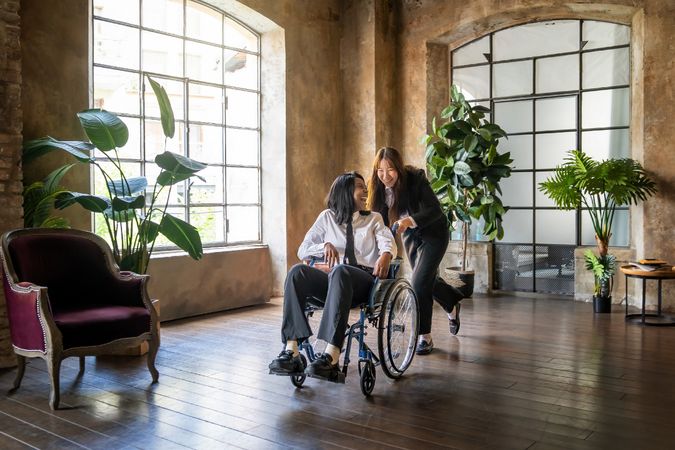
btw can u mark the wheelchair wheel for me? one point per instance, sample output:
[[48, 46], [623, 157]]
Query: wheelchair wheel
[[398, 329], [298, 380], [367, 377]]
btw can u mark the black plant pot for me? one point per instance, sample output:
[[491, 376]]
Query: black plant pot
[[462, 280], [602, 304]]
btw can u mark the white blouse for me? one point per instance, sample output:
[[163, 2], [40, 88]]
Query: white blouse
[[372, 238]]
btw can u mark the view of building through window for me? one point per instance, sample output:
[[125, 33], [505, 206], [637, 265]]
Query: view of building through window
[[553, 86], [209, 65]]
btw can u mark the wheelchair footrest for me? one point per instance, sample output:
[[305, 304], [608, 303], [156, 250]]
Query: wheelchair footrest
[[287, 374], [338, 378]]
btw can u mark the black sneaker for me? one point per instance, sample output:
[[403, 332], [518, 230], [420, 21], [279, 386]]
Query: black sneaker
[[287, 364], [324, 369], [424, 347], [454, 322]]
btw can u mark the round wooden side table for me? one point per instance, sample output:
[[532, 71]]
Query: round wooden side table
[[660, 274]]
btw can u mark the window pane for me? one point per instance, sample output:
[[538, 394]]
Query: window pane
[[517, 226], [243, 223], [520, 148], [239, 37], [177, 194], [607, 108], [558, 74], [204, 23], [534, 39], [203, 62], [132, 149], [620, 229], [209, 191], [605, 144], [164, 15], [116, 91], [514, 117], [241, 69], [126, 11], [174, 89], [242, 185], [604, 34], [115, 45], [242, 108], [472, 53], [512, 79], [606, 68], [517, 189], [206, 143], [473, 82], [556, 113], [162, 54], [210, 223], [242, 147], [541, 199], [206, 103], [556, 227], [154, 139], [552, 148]]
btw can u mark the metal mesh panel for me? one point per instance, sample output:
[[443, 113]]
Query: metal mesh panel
[[530, 268]]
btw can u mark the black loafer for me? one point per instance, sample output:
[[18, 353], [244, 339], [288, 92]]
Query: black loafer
[[424, 347], [454, 323], [324, 369], [287, 364]]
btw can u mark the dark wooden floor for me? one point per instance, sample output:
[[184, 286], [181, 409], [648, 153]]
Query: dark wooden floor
[[522, 374]]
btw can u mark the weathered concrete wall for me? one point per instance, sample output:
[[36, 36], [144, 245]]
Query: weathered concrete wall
[[10, 145]]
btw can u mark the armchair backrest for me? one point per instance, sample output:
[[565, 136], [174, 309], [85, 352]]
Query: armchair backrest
[[74, 265]]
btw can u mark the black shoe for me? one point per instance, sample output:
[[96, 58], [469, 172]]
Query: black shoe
[[454, 323], [424, 347], [324, 369], [287, 364]]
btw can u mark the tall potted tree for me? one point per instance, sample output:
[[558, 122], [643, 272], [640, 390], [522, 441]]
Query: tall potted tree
[[465, 171], [600, 187]]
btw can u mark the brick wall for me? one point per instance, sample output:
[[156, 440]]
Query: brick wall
[[10, 143]]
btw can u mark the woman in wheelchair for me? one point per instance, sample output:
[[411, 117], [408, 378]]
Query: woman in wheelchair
[[356, 247]]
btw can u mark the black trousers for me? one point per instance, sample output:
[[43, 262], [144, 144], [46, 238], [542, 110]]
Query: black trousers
[[425, 255], [342, 289]]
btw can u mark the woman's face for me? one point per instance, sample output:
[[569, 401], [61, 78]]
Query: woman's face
[[387, 173], [360, 194]]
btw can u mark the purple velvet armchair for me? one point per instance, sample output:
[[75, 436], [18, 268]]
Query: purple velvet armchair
[[66, 297]]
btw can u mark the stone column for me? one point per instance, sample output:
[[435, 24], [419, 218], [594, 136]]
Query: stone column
[[11, 211]]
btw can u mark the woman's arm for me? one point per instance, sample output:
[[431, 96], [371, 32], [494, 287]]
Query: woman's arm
[[429, 206], [386, 246], [313, 244]]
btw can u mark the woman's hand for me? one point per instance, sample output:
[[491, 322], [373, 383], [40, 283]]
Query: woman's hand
[[381, 269], [404, 224], [330, 254]]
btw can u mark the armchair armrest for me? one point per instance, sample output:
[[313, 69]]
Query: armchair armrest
[[130, 289], [27, 308]]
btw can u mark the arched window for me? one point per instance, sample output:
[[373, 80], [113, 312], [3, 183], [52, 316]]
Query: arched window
[[553, 86], [208, 62]]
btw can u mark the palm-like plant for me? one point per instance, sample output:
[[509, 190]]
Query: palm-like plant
[[599, 187]]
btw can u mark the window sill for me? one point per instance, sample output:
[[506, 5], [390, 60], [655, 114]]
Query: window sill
[[172, 253]]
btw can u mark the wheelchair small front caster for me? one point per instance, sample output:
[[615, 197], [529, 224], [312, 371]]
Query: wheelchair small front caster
[[367, 377], [299, 379]]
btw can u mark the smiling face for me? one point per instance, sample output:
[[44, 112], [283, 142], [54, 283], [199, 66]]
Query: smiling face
[[387, 173], [360, 194]]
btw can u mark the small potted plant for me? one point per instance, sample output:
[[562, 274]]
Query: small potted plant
[[598, 187], [465, 170]]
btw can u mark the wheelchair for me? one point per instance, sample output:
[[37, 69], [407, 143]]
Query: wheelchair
[[391, 309]]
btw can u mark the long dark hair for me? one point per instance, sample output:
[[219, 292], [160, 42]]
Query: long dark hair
[[341, 196], [376, 196]]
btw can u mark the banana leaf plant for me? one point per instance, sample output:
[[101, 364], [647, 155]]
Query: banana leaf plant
[[599, 187], [39, 198], [133, 215], [465, 168]]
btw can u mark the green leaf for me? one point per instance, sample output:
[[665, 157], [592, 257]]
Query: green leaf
[[130, 202], [178, 164], [165, 109], [167, 178], [181, 233], [485, 134], [461, 168], [134, 185], [54, 222], [464, 126], [93, 203], [486, 200], [149, 230], [52, 180], [38, 147], [470, 142], [104, 129], [481, 108]]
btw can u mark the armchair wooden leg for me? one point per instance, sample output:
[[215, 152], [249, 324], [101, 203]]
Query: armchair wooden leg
[[81, 372], [54, 369], [20, 370], [153, 347]]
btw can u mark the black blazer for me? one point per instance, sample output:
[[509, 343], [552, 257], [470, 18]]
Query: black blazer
[[423, 206]]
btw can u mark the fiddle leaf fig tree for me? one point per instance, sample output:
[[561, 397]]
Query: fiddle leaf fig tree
[[465, 167], [134, 216]]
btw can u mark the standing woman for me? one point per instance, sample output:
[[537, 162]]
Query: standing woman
[[402, 195]]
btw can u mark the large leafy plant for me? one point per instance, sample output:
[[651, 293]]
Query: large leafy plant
[[466, 169], [133, 215], [600, 187], [39, 198]]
